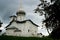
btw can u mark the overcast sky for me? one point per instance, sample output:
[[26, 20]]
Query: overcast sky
[[10, 7]]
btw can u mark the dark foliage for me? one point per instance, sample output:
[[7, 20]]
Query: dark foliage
[[23, 38], [52, 16], [56, 33], [54, 19], [0, 30], [52, 13]]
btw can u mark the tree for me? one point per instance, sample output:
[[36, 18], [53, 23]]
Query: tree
[[52, 16], [55, 34]]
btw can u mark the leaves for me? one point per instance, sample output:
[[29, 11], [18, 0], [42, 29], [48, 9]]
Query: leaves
[[52, 13]]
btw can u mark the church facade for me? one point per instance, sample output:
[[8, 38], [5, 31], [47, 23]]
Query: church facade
[[20, 26]]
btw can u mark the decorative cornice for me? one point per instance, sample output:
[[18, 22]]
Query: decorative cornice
[[21, 22]]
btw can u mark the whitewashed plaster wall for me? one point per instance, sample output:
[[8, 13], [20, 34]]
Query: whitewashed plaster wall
[[21, 17], [24, 27]]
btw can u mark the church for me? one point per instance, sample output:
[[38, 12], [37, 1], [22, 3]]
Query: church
[[20, 26]]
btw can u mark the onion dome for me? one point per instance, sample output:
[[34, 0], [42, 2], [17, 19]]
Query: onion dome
[[21, 12]]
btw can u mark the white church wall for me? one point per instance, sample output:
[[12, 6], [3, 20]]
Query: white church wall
[[24, 29], [27, 29], [21, 17], [13, 24], [11, 31], [32, 28]]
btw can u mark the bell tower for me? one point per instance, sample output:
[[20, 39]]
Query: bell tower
[[20, 13]]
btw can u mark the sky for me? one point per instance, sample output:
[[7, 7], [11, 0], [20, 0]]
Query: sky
[[10, 7]]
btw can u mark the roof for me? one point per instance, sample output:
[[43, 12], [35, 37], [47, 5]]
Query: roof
[[27, 20], [21, 12], [12, 16], [21, 22], [11, 28]]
